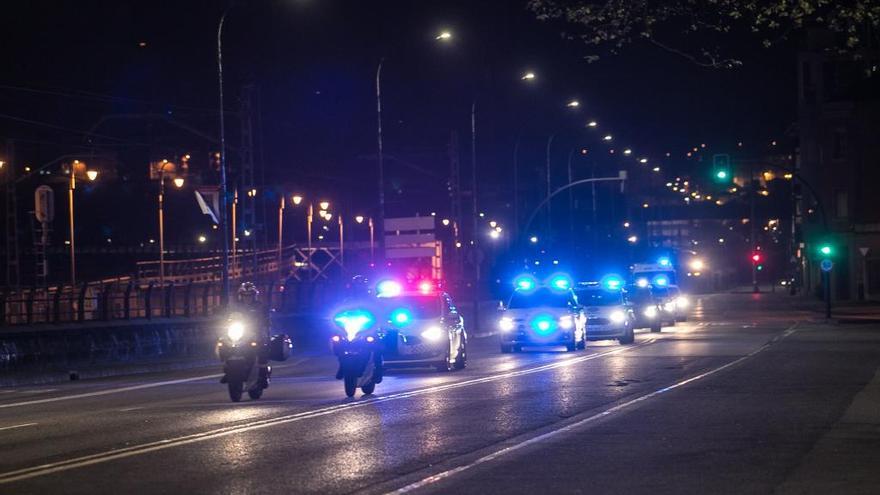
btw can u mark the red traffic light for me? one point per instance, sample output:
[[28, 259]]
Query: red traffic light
[[756, 258]]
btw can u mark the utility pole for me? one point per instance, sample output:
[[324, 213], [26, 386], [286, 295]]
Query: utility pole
[[753, 235]]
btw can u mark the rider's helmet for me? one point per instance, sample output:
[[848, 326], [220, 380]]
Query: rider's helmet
[[248, 294]]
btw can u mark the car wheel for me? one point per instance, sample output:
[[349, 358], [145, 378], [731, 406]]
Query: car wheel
[[369, 388], [656, 327], [571, 347], [628, 337]]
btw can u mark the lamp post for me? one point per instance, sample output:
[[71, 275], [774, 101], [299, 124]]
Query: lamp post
[[280, 231], [178, 182], [92, 175], [223, 191], [381, 158]]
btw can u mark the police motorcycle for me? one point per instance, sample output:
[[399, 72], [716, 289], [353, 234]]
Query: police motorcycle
[[356, 340], [246, 349]]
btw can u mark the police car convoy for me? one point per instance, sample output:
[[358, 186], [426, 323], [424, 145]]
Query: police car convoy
[[417, 324]]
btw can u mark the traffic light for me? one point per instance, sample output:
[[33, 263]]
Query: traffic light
[[757, 260], [826, 251], [721, 168]]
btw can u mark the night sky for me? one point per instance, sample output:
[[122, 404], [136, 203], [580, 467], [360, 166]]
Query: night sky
[[67, 64]]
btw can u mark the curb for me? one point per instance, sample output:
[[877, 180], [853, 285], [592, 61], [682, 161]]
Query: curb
[[56, 377]]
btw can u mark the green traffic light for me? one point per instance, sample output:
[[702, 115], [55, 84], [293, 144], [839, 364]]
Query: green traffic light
[[826, 250], [721, 174]]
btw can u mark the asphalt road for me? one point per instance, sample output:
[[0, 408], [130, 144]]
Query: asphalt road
[[750, 395]]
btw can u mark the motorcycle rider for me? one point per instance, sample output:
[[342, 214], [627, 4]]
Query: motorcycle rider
[[257, 316], [359, 289]]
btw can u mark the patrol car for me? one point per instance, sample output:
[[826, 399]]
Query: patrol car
[[546, 315], [609, 316]]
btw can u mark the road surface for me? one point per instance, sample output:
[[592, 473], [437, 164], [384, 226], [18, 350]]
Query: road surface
[[750, 395]]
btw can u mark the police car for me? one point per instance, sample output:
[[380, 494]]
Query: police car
[[609, 316], [646, 309], [421, 326], [542, 315]]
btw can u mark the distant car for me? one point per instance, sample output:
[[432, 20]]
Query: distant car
[[423, 328], [609, 316], [542, 317], [645, 307]]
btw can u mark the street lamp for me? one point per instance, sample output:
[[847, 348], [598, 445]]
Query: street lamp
[[359, 219], [92, 175], [444, 36], [178, 182], [528, 76], [297, 199]]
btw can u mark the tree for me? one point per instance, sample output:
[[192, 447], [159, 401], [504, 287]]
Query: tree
[[693, 29]]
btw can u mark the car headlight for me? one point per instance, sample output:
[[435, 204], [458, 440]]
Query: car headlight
[[682, 302], [566, 322], [433, 333], [617, 317], [669, 307], [651, 312], [235, 331], [505, 324]]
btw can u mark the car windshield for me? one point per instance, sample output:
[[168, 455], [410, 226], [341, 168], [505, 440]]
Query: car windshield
[[421, 307], [660, 293], [538, 299], [598, 297]]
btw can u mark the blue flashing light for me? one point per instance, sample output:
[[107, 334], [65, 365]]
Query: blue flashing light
[[642, 282], [389, 288], [525, 283], [544, 324], [612, 282], [661, 281], [353, 321], [401, 317], [560, 282], [664, 261]]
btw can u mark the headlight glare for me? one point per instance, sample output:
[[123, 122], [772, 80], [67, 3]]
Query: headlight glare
[[505, 324], [682, 302], [650, 312], [617, 317], [235, 331], [433, 334], [566, 322]]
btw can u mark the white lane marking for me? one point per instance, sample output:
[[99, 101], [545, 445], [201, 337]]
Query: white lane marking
[[23, 425], [127, 389], [572, 426], [88, 460]]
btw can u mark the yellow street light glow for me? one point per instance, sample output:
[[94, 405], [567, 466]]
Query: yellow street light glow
[[608, 137], [697, 264], [632, 239], [178, 182], [2, 163], [359, 219], [656, 169], [444, 36], [528, 76], [328, 216], [202, 238], [325, 205], [494, 234], [446, 222], [297, 199], [645, 205], [493, 224], [593, 123], [92, 174], [627, 152], [573, 104], [643, 160], [626, 225]]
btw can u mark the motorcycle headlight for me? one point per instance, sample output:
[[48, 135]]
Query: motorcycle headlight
[[566, 322], [617, 317], [682, 302], [235, 331], [433, 333], [650, 312], [505, 324]]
